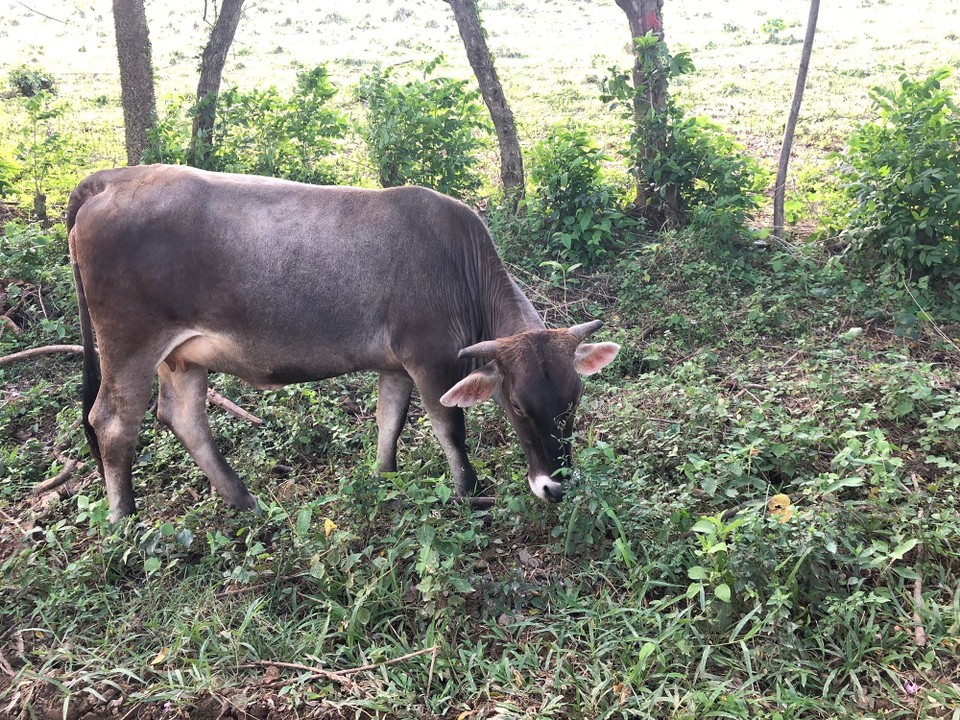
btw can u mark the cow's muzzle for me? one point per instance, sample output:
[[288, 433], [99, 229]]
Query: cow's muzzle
[[546, 488]]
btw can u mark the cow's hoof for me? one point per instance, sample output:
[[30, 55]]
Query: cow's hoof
[[245, 502]]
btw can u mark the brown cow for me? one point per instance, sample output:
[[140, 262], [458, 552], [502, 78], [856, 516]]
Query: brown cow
[[181, 272]]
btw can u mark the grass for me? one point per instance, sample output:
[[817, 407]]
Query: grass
[[662, 587]]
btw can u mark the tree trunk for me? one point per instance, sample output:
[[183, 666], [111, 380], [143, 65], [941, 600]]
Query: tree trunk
[[136, 75], [511, 160], [211, 71], [649, 105], [780, 186]]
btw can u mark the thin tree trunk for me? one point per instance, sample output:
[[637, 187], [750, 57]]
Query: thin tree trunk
[[511, 160], [136, 75], [650, 101], [211, 71], [780, 186]]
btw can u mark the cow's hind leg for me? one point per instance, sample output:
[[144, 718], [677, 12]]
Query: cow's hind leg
[[115, 416], [393, 402], [182, 407]]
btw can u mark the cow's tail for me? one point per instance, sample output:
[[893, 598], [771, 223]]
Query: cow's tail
[[91, 363]]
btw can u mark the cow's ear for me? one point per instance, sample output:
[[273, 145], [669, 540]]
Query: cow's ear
[[474, 388], [591, 358]]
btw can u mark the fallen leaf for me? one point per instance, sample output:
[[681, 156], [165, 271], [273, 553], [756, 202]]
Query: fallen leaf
[[328, 526], [161, 656], [780, 507]]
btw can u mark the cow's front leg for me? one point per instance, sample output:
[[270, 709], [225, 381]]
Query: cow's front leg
[[393, 401], [182, 407], [451, 430]]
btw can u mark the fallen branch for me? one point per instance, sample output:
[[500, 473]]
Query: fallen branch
[[59, 479], [213, 397], [36, 352]]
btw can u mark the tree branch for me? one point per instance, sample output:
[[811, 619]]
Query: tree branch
[[37, 12]]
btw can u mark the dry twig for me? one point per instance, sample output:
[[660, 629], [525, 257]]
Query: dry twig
[[315, 672]]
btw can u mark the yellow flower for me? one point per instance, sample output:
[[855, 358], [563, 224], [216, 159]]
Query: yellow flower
[[780, 507]]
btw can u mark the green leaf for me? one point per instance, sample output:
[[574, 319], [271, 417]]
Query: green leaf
[[902, 549], [722, 591], [697, 572], [303, 520], [704, 526]]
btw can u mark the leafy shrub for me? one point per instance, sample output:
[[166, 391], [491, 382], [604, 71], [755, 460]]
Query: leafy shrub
[[28, 81], [49, 156], [36, 293], [261, 132], [772, 29], [900, 181], [8, 174], [578, 211], [690, 159], [426, 132]]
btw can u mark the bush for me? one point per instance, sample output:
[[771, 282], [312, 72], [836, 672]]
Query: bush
[[578, 212], [27, 81], [692, 160], [49, 155], [709, 169], [426, 132], [900, 181], [261, 132], [8, 174]]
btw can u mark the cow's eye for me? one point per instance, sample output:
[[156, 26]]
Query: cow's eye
[[517, 410]]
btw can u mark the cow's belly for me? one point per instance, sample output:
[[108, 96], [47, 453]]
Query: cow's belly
[[269, 367]]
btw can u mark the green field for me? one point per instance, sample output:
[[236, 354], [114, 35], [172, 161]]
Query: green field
[[668, 584]]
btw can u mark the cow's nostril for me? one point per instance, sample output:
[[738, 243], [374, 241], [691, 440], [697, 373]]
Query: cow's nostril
[[553, 493]]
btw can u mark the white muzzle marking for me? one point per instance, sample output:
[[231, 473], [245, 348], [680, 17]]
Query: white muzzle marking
[[539, 484]]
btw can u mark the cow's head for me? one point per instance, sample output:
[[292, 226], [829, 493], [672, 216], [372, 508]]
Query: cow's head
[[536, 378]]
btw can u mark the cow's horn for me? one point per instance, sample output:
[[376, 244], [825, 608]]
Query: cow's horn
[[486, 350], [583, 330]]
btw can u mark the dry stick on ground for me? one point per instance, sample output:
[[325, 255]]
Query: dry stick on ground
[[920, 636], [59, 479], [315, 672], [36, 352], [340, 676], [213, 397]]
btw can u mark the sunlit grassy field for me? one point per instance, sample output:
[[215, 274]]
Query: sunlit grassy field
[[550, 56]]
